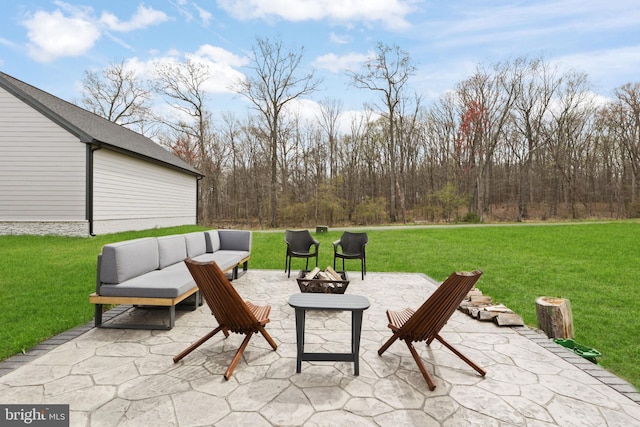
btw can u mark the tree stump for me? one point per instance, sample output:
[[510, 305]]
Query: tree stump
[[554, 317]]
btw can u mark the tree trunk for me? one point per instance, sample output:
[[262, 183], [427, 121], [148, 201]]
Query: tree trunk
[[274, 177], [554, 317]]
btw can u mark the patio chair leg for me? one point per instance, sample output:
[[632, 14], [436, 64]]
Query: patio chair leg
[[418, 360], [462, 356], [386, 345], [198, 343], [237, 357], [267, 337], [98, 315]]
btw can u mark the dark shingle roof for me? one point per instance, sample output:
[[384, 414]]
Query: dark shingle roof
[[91, 128]]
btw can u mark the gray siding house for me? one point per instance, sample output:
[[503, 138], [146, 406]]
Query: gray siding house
[[67, 171]]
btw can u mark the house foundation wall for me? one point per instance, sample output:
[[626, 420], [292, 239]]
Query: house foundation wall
[[119, 225], [58, 228]]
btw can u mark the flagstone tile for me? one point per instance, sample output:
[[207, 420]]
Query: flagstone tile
[[112, 377]]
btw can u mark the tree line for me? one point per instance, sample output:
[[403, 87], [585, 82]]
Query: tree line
[[516, 140]]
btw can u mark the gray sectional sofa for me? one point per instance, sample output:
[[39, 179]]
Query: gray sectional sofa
[[150, 271]]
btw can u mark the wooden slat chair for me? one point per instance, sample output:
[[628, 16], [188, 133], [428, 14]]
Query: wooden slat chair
[[232, 313], [425, 323]]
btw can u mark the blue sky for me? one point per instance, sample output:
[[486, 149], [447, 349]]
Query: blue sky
[[49, 43]]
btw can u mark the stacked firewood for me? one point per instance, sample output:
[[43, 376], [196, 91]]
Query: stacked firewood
[[328, 274], [481, 307]]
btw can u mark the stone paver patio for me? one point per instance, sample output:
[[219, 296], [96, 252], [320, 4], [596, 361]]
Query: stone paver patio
[[127, 377]]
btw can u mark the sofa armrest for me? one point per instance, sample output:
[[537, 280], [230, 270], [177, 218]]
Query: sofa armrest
[[235, 240], [98, 266]]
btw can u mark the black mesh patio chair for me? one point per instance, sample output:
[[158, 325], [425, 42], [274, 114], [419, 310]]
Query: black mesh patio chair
[[351, 246], [300, 244]]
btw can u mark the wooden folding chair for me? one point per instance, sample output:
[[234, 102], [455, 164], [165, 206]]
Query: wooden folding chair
[[425, 323], [232, 313]]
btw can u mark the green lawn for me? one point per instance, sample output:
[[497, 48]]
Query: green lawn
[[45, 281]]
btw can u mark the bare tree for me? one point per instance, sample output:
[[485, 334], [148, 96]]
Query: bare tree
[[408, 135], [443, 122], [357, 162], [387, 73], [330, 111], [118, 95], [230, 132], [183, 86], [627, 107], [570, 134], [275, 81], [536, 84], [515, 139], [486, 101]]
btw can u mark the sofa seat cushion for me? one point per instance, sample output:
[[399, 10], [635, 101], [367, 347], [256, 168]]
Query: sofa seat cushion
[[170, 282], [225, 259]]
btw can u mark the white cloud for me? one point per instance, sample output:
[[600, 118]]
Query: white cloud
[[8, 43], [338, 63], [142, 69], [73, 31], [356, 120], [309, 111], [220, 63], [185, 9], [335, 38], [53, 35], [604, 66], [143, 18], [221, 56], [530, 23], [392, 13], [205, 15], [305, 109]]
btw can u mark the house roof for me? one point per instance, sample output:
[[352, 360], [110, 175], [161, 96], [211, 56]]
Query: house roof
[[91, 128]]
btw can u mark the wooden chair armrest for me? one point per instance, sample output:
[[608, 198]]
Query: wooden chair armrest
[[399, 318]]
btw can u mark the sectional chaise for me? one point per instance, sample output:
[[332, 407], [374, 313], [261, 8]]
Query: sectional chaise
[[150, 271]]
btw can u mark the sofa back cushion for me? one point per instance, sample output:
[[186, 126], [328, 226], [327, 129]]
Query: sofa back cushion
[[196, 244], [172, 249], [213, 241], [123, 260], [235, 240]]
